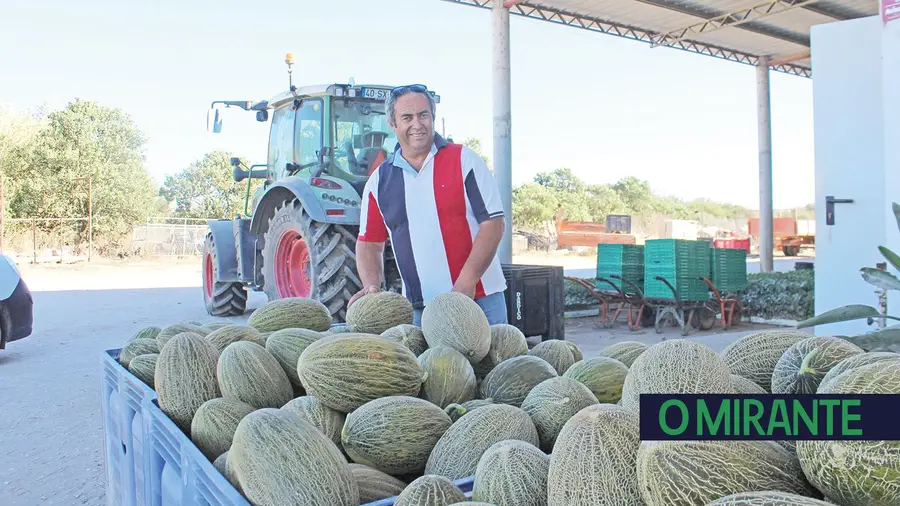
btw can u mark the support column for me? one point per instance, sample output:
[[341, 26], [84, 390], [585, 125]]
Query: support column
[[764, 122], [502, 121]]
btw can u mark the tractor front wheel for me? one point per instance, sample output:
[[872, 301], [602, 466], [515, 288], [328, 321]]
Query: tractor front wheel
[[221, 298]]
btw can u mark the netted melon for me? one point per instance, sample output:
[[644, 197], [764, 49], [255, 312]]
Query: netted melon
[[457, 452], [512, 472], [603, 376], [457, 410], [374, 485], [408, 335], [754, 356], [551, 403], [222, 337], [211, 326], [430, 490], [338, 328], [136, 348], [214, 423], [449, 377], [248, 373], [374, 313], [743, 385], [512, 379], [857, 472], [678, 366], [769, 498], [860, 360], [594, 459], [394, 434], [346, 371], [185, 377], [455, 320], [146, 333], [689, 473], [281, 459], [806, 362], [286, 346], [172, 330], [221, 463], [144, 367], [327, 420], [556, 352], [291, 312], [626, 351], [507, 341]]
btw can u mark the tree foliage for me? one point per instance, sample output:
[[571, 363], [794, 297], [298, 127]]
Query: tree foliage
[[206, 189]]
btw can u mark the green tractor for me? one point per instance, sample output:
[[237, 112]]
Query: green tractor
[[297, 235]]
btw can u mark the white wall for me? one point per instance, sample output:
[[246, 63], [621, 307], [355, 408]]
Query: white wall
[[890, 79]]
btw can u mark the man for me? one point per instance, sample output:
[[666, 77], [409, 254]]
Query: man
[[440, 207]]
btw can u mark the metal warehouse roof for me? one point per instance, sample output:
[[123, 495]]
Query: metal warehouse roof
[[735, 30]]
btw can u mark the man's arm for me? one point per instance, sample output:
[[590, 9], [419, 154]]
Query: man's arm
[[370, 244], [369, 262], [484, 248]]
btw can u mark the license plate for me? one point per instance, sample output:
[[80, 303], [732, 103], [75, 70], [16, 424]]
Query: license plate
[[375, 93]]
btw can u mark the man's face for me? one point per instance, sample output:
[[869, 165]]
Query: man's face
[[414, 125]]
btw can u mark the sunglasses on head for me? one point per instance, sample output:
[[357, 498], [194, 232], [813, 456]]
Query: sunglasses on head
[[400, 90]]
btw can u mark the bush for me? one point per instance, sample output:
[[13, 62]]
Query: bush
[[781, 295]]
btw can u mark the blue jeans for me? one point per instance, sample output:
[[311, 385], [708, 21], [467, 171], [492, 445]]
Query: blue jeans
[[493, 305]]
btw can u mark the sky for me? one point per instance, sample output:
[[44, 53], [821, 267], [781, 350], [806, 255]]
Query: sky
[[603, 106]]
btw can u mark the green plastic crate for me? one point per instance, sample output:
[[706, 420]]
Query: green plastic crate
[[625, 260], [728, 269], [681, 262]]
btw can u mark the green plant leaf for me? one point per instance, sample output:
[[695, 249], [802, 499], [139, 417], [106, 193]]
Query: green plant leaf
[[887, 339], [881, 279], [841, 314], [896, 207], [890, 256]]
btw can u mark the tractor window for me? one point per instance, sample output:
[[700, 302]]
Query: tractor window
[[362, 136], [309, 131], [281, 143]]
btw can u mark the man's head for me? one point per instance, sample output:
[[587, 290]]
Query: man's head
[[410, 111]]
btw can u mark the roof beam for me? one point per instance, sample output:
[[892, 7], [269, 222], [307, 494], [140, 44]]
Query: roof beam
[[828, 12], [736, 18], [592, 24]]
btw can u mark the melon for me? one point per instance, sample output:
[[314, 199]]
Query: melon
[[430, 490], [146, 333], [144, 367], [678, 366], [754, 356], [286, 345], [769, 498], [211, 326], [248, 373], [457, 410], [394, 434], [687, 473], [198, 323], [222, 337], [626, 351], [551, 403], [806, 362], [603, 376], [337, 328], [408, 335], [327, 420], [281, 459], [507, 341], [512, 379], [857, 472], [185, 377], [214, 423], [346, 371], [454, 320], [512, 472], [373, 313], [140, 346], [744, 386], [449, 377], [860, 360], [374, 485], [594, 459], [172, 330], [556, 352], [459, 449], [291, 312], [221, 464]]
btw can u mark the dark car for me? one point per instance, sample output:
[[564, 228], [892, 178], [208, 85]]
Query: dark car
[[16, 305]]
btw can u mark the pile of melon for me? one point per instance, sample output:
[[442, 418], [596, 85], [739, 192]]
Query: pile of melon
[[294, 410]]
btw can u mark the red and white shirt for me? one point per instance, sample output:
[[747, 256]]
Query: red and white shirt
[[432, 217]]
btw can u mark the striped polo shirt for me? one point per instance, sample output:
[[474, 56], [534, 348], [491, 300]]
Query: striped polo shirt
[[431, 218]]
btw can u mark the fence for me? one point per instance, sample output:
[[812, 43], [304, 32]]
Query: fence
[[28, 238], [169, 236]]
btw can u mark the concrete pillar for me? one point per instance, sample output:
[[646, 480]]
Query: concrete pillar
[[502, 121], [764, 122]]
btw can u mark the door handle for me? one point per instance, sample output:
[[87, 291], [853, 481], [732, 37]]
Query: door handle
[[830, 201]]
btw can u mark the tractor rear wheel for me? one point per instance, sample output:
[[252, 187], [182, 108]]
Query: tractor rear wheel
[[221, 298]]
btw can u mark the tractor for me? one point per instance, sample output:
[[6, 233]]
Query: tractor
[[297, 234]]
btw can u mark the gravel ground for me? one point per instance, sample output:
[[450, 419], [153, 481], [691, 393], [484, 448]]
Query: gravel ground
[[51, 444]]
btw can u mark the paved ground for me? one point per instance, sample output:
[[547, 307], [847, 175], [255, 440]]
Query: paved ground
[[51, 442]]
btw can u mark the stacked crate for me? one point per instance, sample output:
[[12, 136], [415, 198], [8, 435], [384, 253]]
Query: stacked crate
[[625, 260], [681, 262], [728, 269]]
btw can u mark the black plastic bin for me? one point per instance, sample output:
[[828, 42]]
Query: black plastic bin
[[535, 300]]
